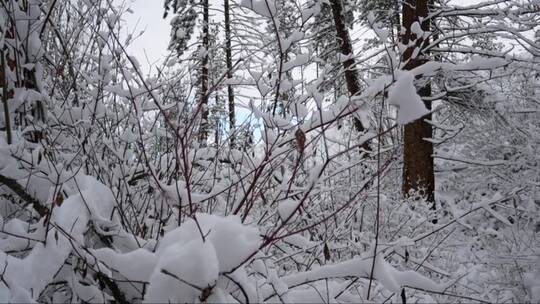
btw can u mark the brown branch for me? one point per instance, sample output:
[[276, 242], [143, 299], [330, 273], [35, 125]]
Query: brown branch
[[14, 186]]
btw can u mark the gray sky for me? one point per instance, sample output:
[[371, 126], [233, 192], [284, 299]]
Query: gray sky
[[147, 15]]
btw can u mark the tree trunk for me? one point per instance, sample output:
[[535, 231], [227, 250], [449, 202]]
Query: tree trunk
[[418, 168], [228, 58], [351, 75], [203, 134], [6, 95]]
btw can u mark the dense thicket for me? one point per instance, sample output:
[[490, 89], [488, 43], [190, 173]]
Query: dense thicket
[[270, 158]]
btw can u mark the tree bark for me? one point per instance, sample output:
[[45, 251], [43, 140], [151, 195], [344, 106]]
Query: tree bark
[[228, 59], [203, 134], [343, 37], [418, 167], [6, 95], [14, 186]]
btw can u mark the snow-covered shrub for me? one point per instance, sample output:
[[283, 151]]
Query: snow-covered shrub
[[108, 194]]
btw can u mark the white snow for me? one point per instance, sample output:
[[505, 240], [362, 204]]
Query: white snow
[[182, 271], [389, 276], [286, 208], [34, 272], [298, 60], [227, 244], [266, 8], [402, 94]]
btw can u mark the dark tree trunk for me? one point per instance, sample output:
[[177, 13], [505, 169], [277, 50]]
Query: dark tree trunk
[[203, 134], [351, 75], [228, 58], [418, 169], [6, 95], [217, 133], [8, 64]]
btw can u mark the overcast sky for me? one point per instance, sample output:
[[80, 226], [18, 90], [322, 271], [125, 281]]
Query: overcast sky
[[148, 16]]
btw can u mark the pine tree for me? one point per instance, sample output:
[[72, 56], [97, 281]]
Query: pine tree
[[204, 93], [183, 25], [349, 65], [418, 166], [228, 58]]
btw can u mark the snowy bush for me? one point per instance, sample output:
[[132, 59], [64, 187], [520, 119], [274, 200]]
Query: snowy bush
[[121, 187]]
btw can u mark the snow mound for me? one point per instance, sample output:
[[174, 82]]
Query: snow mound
[[184, 267], [402, 94]]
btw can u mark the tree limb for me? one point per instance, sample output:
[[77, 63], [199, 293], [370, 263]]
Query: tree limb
[[14, 186]]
